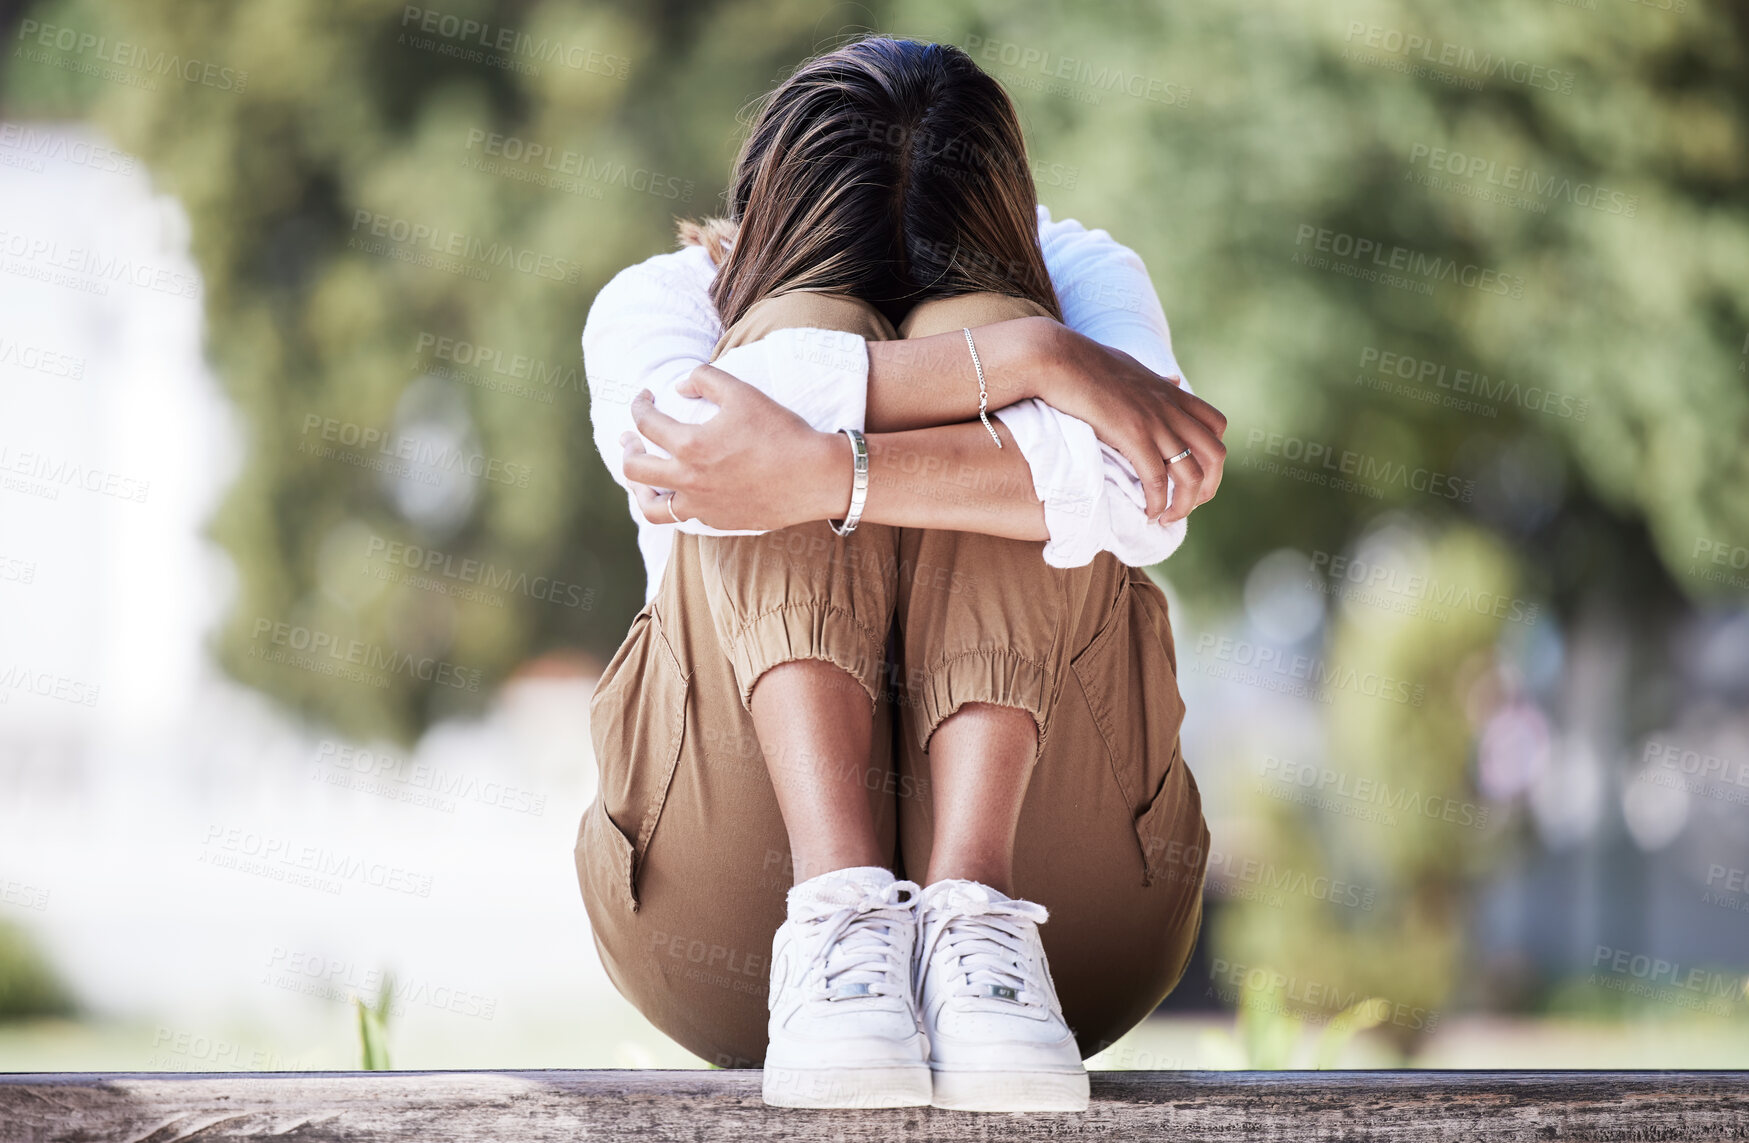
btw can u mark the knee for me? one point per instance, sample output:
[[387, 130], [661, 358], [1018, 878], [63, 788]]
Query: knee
[[802, 593], [798, 545], [801, 563]]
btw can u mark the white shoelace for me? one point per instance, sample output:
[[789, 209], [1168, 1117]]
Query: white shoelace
[[858, 954], [991, 949]]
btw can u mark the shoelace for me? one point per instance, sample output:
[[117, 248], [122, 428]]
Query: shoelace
[[991, 949], [857, 954]]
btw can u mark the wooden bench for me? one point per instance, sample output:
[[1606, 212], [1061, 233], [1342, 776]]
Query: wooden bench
[[570, 1106]]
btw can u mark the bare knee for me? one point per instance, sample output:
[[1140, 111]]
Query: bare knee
[[992, 718], [792, 688]]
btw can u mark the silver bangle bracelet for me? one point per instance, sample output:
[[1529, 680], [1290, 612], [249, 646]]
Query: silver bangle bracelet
[[858, 484]]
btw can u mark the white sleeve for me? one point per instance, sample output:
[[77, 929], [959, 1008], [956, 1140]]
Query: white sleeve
[[1093, 499], [654, 322]]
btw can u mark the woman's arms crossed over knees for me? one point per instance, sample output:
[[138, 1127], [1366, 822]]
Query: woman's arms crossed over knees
[[774, 470], [654, 325]]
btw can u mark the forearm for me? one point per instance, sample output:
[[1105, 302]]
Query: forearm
[[950, 477], [925, 382]]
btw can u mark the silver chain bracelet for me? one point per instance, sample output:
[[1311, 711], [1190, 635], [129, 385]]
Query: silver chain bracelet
[[983, 390]]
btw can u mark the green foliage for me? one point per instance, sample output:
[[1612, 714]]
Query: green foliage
[[1270, 1035], [29, 985], [373, 1027]]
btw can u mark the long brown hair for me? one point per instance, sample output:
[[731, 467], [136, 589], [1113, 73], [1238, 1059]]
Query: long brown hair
[[889, 169]]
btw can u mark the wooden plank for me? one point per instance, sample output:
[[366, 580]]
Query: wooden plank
[[693, 1106]]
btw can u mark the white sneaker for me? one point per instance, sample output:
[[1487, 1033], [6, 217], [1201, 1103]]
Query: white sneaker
[[997, 1038], [844, 1025]]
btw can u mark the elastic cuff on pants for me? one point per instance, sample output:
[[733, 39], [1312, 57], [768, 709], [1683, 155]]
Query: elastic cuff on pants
[[806, 631], [999, 677]]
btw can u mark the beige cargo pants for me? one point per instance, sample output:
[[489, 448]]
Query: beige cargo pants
[[683, 859]]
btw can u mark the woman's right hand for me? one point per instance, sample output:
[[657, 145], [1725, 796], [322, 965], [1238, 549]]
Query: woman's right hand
[[1146, 417]]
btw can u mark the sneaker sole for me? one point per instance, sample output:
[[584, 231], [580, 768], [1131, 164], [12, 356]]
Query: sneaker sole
[[1011, 1091], [848, 1087]]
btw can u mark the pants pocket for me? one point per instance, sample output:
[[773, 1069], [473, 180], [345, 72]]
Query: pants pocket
[[637, 723], [1128, 672]]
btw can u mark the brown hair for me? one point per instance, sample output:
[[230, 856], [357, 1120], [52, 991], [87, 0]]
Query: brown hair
[[889, 169]]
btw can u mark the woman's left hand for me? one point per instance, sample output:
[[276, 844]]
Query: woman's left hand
[[755, 465]]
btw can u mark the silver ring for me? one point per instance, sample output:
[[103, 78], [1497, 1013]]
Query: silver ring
[[669, 500], [1179, 457]]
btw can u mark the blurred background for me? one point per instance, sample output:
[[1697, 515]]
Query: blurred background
[[308, 564]]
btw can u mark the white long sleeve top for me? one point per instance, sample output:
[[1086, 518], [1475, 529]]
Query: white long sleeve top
[[654, 322]]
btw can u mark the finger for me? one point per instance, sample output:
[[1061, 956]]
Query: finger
[[661, 472], [1187, 479], [1213, 466], [1204, 444], [1151, 470], [1206, 414], [657, 426], [709, 382], [655, 505]]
